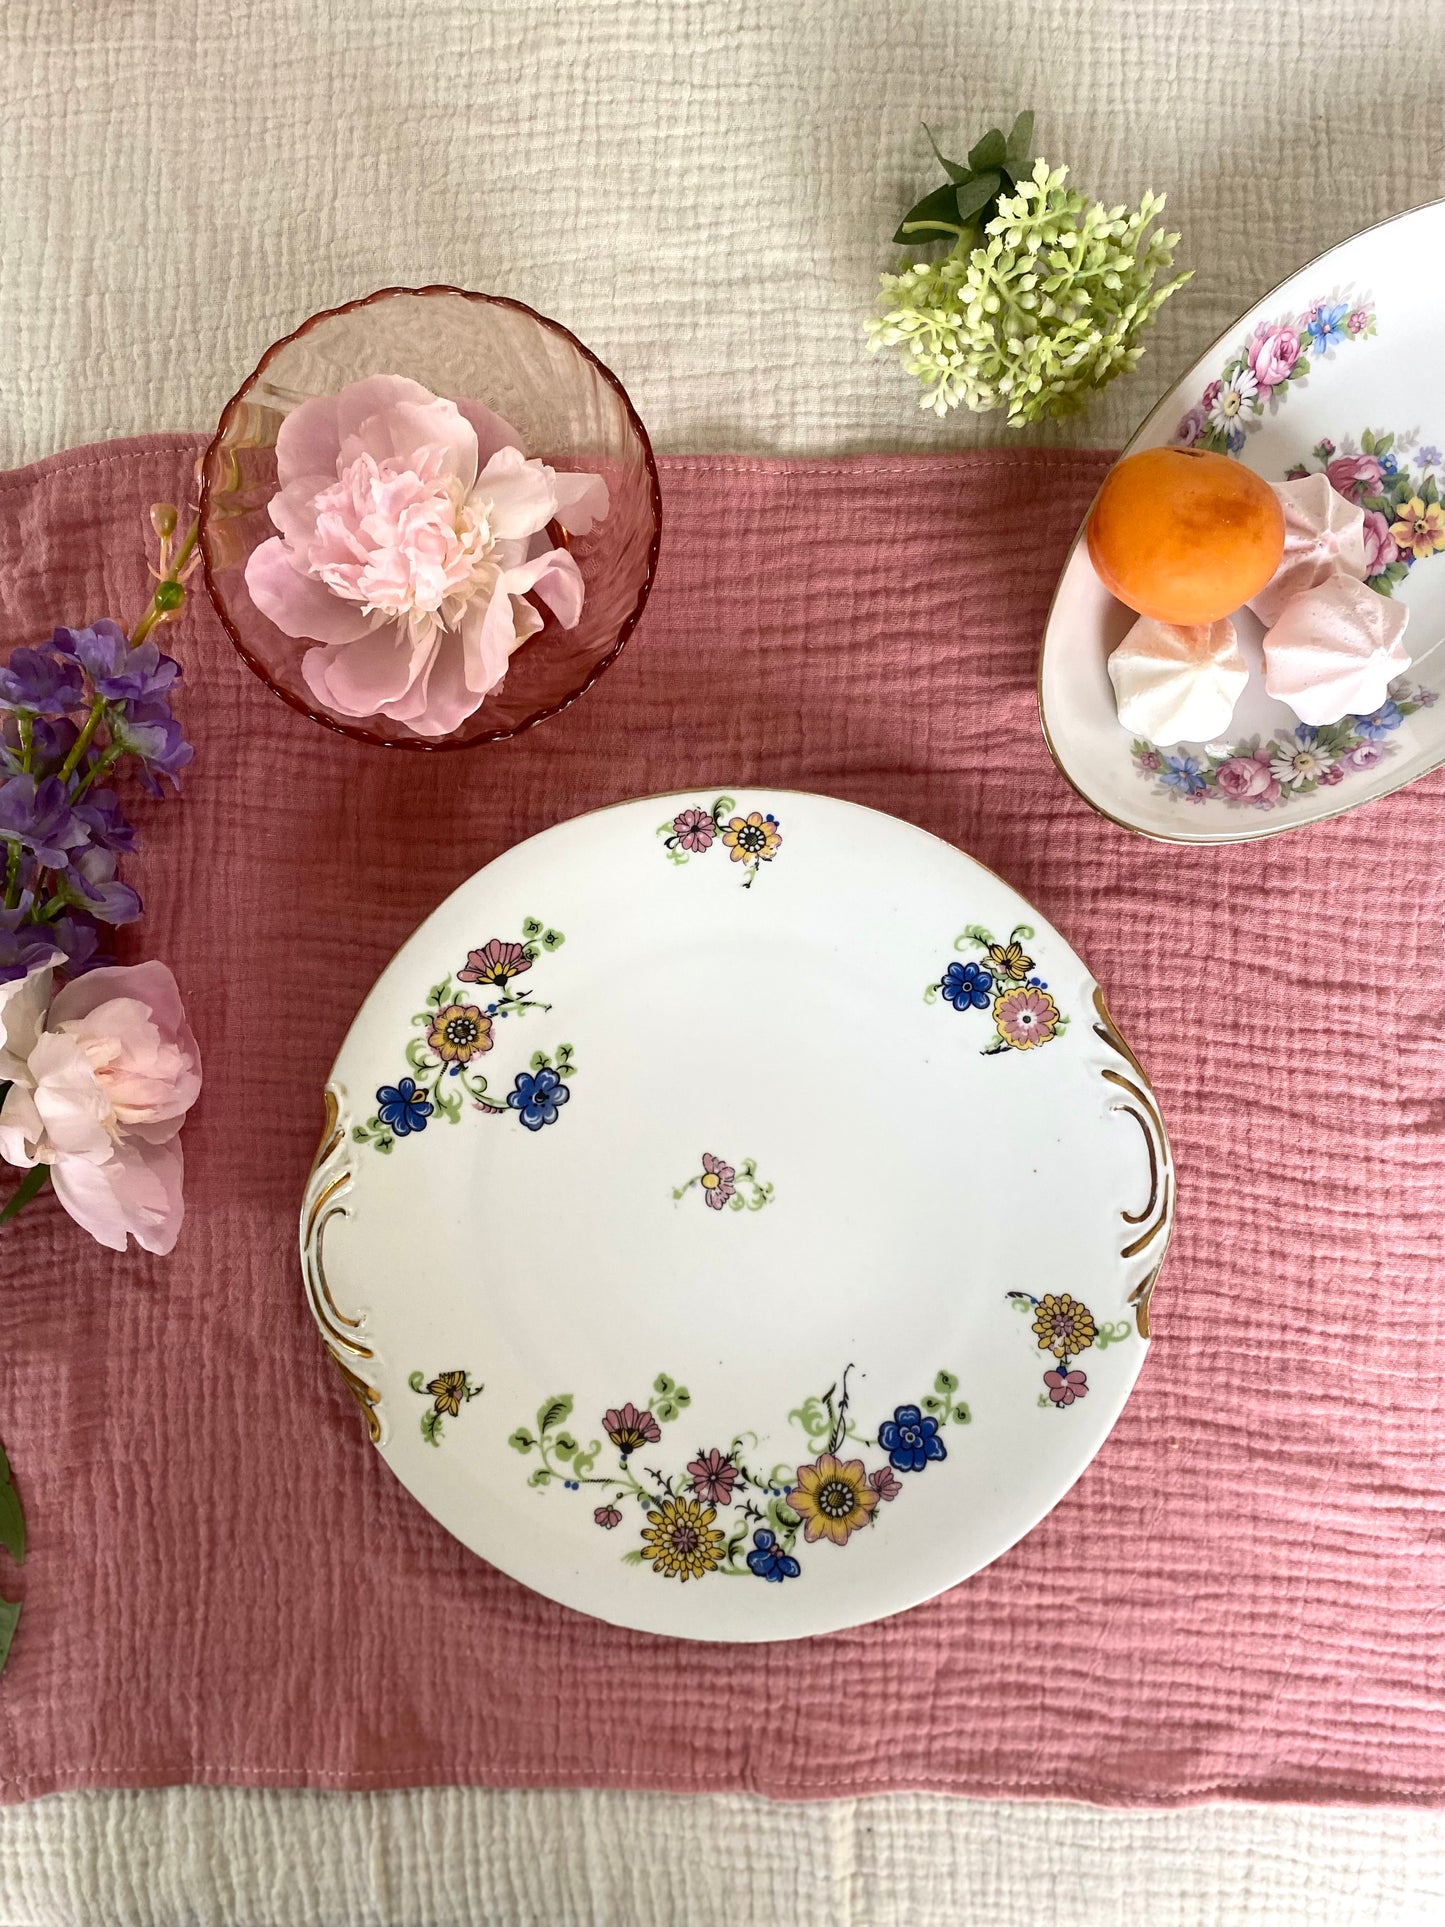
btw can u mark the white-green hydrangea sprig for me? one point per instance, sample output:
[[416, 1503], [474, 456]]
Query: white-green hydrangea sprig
[[1037, 310]]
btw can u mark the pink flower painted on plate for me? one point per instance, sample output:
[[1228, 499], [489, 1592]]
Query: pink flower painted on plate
[[1272, 355], [713, 1477], [495, 963], [694, 830], [1357, 322], [1026, 1018], [1249, 778], [607, 1516], [1210, 395], [717, 1181], [885, 1482], [1328, 778], [1150, 759], [411, 535], [1364, 756], [1191, 427], [1380, 549], [101, 1078], [630, 1429], [1354, 476], [1065, 1387]]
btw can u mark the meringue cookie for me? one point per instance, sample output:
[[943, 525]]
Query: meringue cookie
[[1335, 650], [1176, 685], [1324, 535]]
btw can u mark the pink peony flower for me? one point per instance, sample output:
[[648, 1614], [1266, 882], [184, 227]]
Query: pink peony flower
[[411, 530], [101, 1079], [1380, 549], [1191, 427], [1272, 355], [1249, 779], [1355, 476]]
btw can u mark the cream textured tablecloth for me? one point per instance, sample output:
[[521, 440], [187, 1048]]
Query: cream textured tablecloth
[[703, 190]]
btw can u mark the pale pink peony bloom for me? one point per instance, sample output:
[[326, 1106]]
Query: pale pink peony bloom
[[101, 1079], [1380, 549], [1249, 779], [412, 532]]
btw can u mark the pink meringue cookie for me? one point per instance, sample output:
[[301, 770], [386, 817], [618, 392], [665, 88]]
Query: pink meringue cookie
[[1335, 650], [1324, 535], [1175, 685]]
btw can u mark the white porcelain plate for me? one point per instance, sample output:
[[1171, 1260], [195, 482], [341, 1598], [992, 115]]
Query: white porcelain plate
[[1334, 370], [737, 1215]]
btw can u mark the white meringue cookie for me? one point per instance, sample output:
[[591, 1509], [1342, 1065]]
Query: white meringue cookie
[[1176, 685], [1335, 650], [1324, 535]]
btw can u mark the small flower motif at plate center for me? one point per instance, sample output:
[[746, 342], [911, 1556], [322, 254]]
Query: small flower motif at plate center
[[459, 1033]]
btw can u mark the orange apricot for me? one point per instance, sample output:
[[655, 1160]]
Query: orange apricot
[[1184, 536]]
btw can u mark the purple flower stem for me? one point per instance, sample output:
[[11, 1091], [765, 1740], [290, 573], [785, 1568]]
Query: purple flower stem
[[12, 877], [82, 741], [27, 739]]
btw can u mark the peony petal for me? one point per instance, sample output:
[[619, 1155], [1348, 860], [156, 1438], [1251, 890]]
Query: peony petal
[[298, 605], [23, 1004], [21, 1126], [358, 677], [449, 700], [392, 418], [309, 441], [556, 578], [520, 494], [138, 1190], [582, 499], [489, 635], [293, 510], [491, 430]]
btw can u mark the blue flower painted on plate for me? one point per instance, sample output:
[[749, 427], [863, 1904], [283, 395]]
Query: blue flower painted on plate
[[769, 1561], [967, 986], [1378, 725], [402, 1108], [910, 1439], [1183, 773], [538, 1098], [1326, 326]]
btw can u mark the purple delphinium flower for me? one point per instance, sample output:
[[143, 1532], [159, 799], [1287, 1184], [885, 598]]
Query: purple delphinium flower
[[24, 946], [150, 732], [41, 681], [90, 886], [79, 937], [118, 672], [50, 744], [108, 824], [38, 816]]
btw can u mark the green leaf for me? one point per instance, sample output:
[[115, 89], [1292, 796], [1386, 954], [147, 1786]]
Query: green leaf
[[1367, 442], [417, 1382], [431, 1428], [936, 1407], [632, 1558], [564, 1445], [583, 1463], [539, 1060], [551, 1413], [975, 197], [662, 1384], [436, 996], [962, 1415], [934, 218], [945, 1382], [12, 1516], [32, 1182], [521, 1440], [531, 927], [552, 940], [9, 1619], [1019, 155], [540, 1477], [989, 152], [955, 170]]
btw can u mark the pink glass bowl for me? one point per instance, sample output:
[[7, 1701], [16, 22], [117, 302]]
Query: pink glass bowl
[[567, 408]]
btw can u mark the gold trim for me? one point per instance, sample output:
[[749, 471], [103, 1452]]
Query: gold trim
[[326, 1187], [1158, 1214], [1161, 410]]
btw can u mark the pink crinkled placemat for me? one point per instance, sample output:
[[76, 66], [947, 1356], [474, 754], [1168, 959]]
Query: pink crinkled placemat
[[1242, 1597]]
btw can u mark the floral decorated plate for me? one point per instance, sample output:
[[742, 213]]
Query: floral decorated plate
[[1332, 371], [736, 1215]]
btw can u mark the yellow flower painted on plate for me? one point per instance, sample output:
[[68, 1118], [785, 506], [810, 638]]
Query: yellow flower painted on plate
[[1008, 960], [752, 839], [833, 1498], [459, 1033], [448, 1389], [681, 1540], [1064, 1326], [1026, 1018], [1419, 528]]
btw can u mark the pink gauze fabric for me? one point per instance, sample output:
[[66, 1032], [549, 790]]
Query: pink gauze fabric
[[1245, 1594]]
